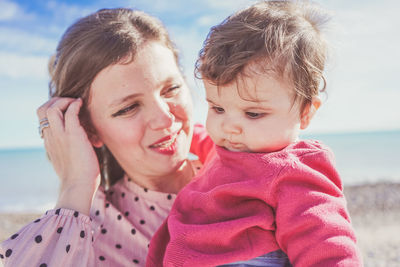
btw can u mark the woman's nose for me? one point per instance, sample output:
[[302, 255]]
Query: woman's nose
[[161, 116]]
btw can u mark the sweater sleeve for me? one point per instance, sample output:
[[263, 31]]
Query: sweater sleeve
[[202, 144], [312, 223], [60, 237]]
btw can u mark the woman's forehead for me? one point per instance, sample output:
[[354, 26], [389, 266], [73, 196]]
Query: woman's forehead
[[152, 68]]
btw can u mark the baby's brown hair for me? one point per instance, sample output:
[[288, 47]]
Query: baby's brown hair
[[279, 36]]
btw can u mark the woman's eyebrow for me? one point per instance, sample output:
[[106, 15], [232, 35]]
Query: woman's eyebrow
[[124, 99], [167, 81]]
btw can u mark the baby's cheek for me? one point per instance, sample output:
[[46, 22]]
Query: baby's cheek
[[258, 142], [213, 129]]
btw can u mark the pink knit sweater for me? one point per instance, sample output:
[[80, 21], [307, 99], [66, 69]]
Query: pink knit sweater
[[243, 205]]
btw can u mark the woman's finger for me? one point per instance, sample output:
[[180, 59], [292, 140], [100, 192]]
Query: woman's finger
[[53, 109], [71, 115], [55, 114], [44, 126], [41, 111]]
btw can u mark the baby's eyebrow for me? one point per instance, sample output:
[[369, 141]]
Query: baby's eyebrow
[[255, 99], [210, 101], [265, 109]]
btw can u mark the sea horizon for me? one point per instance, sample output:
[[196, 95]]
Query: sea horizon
[[29, 183], [304, 134]]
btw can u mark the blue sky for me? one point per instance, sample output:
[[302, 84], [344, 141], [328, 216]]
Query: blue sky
[[362, 73]]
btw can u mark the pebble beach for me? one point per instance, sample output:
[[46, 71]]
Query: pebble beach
[[374, 210], [375, 214]]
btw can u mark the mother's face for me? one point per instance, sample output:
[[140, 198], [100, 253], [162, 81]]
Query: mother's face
[[142, 111]]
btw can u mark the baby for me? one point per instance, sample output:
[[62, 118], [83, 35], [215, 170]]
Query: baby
[[263, 197]]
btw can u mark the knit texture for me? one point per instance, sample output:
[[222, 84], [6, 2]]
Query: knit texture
[[243, 205]]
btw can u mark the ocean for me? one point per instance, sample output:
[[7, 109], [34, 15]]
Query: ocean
[[29, 184]]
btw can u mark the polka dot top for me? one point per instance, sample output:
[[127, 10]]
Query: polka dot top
[[117, 233]]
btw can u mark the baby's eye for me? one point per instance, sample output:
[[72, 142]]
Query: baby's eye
[[218, 110], [254, 115], [130, 109]]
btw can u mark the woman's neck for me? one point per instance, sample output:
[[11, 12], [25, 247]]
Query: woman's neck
[[169, 183]]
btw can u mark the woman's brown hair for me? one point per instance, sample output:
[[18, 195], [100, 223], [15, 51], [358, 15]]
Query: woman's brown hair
[[91, 44]]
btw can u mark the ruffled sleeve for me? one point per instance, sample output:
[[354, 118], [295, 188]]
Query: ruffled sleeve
[[61, 237]]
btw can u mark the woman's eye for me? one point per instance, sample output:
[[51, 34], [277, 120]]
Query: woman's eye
[[126, 110], [172, 91], [254, 115], [218, 110]]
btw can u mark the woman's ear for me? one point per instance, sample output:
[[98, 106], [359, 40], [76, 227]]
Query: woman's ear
[[95, 140], [309, 112], [91, 133]]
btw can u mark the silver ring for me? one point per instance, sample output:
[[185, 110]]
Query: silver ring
[[44, 120], [43, 125]]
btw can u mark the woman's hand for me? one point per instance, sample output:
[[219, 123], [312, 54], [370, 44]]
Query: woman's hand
[[71, 153]]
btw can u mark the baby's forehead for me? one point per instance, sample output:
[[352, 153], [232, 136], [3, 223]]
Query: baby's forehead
[[256, 82], [264, 67], [250, 92]]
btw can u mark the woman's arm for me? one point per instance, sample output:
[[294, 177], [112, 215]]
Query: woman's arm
[[62, 236], [71, 153]]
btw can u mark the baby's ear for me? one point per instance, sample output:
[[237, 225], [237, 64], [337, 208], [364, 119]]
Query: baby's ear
[[309, 112]]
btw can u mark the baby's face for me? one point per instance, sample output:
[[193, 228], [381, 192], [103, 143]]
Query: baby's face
[[259, 117]]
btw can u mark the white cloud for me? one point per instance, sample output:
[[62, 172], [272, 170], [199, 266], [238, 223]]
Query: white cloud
[[162, 6], [230, 5], [21, 66], [208, 20], [362, 71], [15, 40], [8, 10], [11, 11], [220, 11], [213, 11], [67, 13]]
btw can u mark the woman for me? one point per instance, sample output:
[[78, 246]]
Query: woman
[[120, 116]]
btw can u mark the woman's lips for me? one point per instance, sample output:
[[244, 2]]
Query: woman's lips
[[166, 145]]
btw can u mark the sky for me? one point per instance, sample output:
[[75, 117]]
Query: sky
[[362, 73]]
